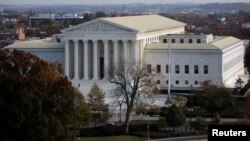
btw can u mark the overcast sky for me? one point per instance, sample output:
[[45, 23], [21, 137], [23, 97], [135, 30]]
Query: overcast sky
[[46, 2]]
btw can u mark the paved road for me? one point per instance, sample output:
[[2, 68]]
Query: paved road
[[189, 138]]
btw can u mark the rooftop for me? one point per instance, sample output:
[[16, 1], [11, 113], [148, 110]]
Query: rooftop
[[43, 43], [218, 43], [145, 22], [142, 23]]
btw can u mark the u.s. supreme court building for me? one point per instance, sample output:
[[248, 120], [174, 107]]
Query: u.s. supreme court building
[[86, 50]]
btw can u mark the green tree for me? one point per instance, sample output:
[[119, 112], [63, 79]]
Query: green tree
[[175, 116], [161, 123], [37, 102], [50, 27], [96, 102], [215, 98], [100, 14]]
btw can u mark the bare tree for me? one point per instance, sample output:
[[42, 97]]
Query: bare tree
[[133, 83]]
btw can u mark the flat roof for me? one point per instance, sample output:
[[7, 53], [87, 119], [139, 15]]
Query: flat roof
[[219, 43], [225, 42], [42, 43]]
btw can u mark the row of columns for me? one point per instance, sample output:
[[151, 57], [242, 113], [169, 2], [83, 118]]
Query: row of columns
[[84, 55]]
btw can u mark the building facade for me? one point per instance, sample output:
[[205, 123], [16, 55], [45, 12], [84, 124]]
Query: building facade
[[88, 50], [194, 59]]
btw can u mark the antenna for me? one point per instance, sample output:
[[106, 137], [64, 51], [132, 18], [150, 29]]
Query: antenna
[[123, 7]]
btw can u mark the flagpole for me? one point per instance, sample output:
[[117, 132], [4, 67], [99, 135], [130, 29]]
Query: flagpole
[[169, 71]]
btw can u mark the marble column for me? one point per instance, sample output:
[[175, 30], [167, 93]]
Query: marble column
[[125, 49], [86, 60], [136, 51], [106, 56], [95, 60], [76, 74], [116, 59], [66, 51]]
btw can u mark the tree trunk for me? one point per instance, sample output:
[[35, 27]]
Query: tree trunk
[[127, 120]]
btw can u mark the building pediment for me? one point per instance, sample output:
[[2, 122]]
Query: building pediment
[[98, 26]]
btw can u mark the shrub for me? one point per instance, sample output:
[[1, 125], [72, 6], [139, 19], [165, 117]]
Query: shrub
[[200, 123], [217, 118]]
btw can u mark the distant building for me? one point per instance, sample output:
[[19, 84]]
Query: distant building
[[36, 20], [20, 34]]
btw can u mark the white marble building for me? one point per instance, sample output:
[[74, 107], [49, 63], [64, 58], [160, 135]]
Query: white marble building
[[194, 59], [87, 50]]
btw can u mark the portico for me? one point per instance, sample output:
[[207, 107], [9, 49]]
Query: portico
[[90, 59]]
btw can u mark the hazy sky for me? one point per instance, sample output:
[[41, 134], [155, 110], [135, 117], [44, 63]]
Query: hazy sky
[[46, 2]]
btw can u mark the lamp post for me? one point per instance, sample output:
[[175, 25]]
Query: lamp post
[[190, 110], [148, 108], [120, 106]]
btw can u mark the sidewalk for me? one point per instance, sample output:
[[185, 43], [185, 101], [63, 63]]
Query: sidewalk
[[187, 138]]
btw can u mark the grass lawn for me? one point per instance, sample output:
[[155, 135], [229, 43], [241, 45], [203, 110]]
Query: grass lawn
[[111, 138]]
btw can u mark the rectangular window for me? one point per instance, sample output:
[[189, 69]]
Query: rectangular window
[[186, 82], [186, 69], [158, 82], [177, 68], [148, 68], [181, 40], [196, 82], [158, 68], [177, 82], [165, 40], [173, 40], [190, 41], [196, 69], [166, 81], [198, 40], [166, 68], [205, 69]]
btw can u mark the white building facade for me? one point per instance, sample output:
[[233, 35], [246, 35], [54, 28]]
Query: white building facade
[[89, 49], [194, 59], [94, 47]]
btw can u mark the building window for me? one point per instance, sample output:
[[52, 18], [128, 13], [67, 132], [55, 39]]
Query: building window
[[186, 82], [158, 82], [158, 68], [196, 82], [166, 81], [196, 69], [190, 41], [177, 82], [148, 68], [205, 69], [198, 40], [165, 40], [181, 40], [177, 68], [173, 40], [166, 68], [186, 69]]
